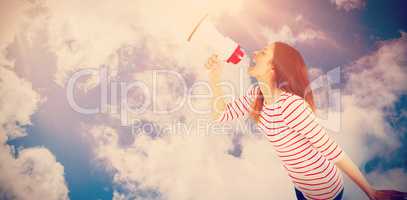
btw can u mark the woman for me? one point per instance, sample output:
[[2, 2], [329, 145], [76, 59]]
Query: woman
[[283, 107]]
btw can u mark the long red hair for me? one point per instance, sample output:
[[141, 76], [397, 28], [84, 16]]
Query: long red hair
[[291, 75]]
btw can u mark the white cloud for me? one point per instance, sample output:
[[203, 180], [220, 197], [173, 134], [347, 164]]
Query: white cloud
[[349, 4], [374, 84], [192, 167], [382, 73], [81, 39], [12, 18], [33, 173], [19, 102], [286, 34]]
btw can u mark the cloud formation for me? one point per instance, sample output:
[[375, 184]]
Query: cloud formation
[[18, 103], [191, 167], [29, 173], [348, 5], [81, 39], [285, 34], [33, 174], [374, 84]]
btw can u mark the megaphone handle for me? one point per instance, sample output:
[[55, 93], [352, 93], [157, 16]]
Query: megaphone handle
[[196, 26]]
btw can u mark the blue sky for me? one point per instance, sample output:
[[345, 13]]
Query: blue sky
[[341, 38]]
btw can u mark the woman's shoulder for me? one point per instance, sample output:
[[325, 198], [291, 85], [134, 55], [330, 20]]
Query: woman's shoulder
[[290, 96], [291, 99]]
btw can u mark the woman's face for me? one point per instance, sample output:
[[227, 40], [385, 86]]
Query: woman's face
[[261, 59]]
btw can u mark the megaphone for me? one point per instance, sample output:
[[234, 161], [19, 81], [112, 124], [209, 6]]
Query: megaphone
[[228, 50]]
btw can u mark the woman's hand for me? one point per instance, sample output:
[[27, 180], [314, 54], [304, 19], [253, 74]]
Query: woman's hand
[[214, 66], [387, 195], [352, 170]]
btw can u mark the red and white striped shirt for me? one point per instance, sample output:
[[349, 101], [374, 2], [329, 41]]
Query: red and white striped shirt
[[301, 143]]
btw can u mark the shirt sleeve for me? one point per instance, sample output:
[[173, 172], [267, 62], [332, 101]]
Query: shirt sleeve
[[298, 115], [239, 107]]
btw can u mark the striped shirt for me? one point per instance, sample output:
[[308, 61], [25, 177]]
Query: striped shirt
[[307, 152]]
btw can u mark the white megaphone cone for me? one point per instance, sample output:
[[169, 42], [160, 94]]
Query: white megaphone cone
[[205, 34]]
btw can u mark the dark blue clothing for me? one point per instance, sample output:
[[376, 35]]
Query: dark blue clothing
[[300, 196]]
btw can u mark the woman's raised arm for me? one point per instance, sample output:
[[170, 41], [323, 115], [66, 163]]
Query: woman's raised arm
[[215, 69], [227, 111]]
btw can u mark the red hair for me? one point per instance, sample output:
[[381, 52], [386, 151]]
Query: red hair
[[291, 75]]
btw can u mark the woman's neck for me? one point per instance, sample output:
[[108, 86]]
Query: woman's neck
[[270, 91]]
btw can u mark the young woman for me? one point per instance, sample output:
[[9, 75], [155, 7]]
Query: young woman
[[283, 107]]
